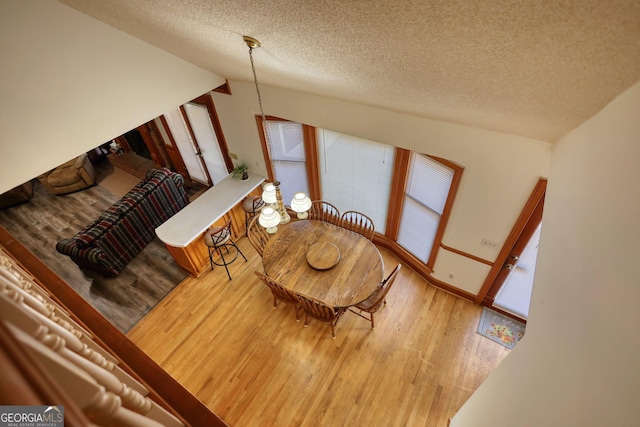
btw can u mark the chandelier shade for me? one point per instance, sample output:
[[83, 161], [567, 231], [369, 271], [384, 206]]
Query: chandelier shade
[[269, 194], [300, 204], [270, 219]]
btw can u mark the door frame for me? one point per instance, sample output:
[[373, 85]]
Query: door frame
[[206, 100], [519, 236], [196, 146], [172, 150]]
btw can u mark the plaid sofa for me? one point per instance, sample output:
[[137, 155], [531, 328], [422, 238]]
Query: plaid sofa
[[122, 231]]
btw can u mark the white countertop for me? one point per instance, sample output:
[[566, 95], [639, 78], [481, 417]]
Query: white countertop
[[195, 218]]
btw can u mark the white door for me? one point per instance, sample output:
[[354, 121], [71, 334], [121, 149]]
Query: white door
[[207, 141], [187, 147], [515, 294], [512, 282]]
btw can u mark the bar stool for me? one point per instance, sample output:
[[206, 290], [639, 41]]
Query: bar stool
[[251, 205], [219, 238]]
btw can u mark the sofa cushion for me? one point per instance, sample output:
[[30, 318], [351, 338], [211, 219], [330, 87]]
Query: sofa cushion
[[96, 229]]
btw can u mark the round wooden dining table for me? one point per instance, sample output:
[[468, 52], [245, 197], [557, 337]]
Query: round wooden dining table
[[324, 261]]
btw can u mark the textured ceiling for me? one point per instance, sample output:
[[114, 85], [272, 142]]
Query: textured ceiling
[[536, 68]]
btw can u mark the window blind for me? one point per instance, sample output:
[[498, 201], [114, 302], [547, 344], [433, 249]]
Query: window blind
[[288, 158], [429, 182], [355, 174], [425, 197]]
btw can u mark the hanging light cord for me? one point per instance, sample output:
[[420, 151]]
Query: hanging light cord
[[284, 216], [264, 119], [255, 80], [253, 43]]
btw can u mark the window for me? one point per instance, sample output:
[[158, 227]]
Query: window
[[288, 157], [407, 195], [355, 174], [426, 197]]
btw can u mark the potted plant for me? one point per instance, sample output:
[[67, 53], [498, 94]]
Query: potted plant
[[240, 171]]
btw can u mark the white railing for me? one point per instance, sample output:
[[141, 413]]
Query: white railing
[[88, 373]]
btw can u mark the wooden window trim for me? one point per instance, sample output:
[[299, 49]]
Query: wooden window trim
[[446, 213], [396, 198], [309, 136], [263, 143]]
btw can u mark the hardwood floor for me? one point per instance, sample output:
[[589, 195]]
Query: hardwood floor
[[256, 366]]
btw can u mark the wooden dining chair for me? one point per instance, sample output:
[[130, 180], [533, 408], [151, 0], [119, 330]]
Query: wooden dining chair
[[324, 211], [379, 297], [257, 235], [358, 223], [320, 311], [280, 293]]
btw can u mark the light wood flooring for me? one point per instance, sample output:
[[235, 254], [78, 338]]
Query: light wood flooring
[[255, 366]]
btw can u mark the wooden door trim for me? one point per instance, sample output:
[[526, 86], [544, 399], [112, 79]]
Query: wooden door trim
[[151, 146], [223, 88], [207, 101], [153, 132], [484, 297], [174, 154], [203, 165]]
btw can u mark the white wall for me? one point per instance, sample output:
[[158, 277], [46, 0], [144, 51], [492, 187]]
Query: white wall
[[578, 362], [69, 83], [500, 170]]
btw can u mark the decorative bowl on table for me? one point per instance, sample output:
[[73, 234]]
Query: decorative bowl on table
[[322, 255]]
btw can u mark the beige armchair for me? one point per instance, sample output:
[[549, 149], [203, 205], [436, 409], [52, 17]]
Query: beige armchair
[[71, 176]]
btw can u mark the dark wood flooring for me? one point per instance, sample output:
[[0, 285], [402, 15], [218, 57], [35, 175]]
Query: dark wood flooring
[[123, 300]]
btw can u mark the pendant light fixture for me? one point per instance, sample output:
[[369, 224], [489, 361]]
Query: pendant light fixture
[[253, 43]]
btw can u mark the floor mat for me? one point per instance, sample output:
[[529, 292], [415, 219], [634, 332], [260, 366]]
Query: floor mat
[[500, 328]]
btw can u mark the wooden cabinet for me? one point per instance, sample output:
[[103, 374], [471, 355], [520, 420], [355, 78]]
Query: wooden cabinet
[[183, 234]]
